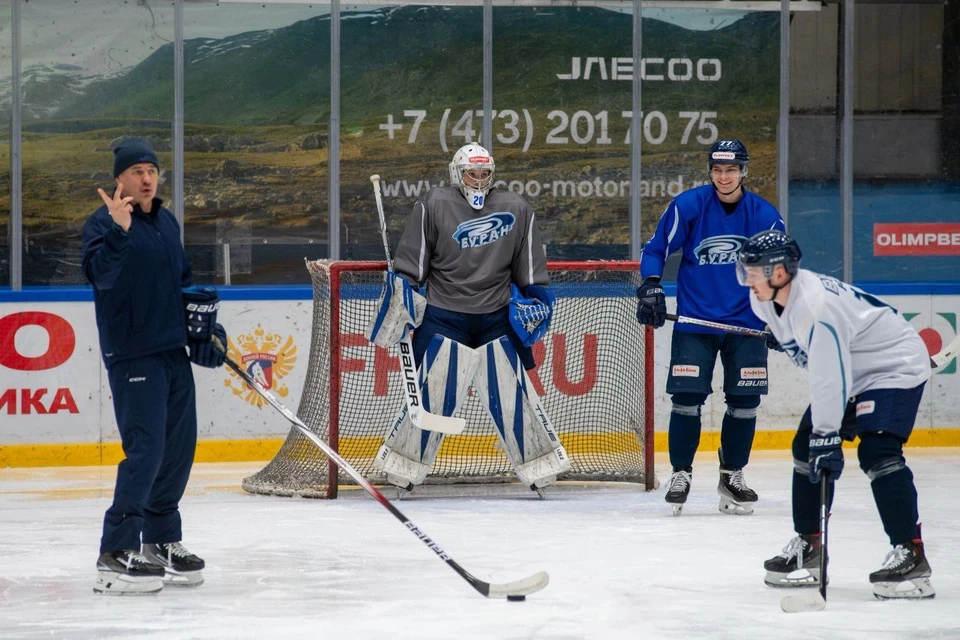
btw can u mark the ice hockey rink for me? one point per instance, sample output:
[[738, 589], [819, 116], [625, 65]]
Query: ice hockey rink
[[620, 565]]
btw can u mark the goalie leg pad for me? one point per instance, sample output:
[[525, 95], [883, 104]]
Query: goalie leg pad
[[408, 453], [525, 431]]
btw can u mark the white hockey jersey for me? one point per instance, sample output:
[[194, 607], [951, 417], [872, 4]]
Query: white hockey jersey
[[846, 340]]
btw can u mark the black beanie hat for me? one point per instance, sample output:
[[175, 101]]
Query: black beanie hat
[[132, 151]]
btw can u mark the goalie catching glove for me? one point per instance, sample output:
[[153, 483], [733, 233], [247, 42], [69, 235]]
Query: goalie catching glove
[[201, 305], [531, 312], [401, 309]]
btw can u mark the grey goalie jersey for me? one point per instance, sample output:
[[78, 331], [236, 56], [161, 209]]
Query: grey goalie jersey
[[846, 340], [468, 258]]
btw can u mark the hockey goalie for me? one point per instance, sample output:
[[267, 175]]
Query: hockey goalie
[[477, 249]]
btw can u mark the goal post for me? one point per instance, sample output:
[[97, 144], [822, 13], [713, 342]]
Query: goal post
[[594, 375]]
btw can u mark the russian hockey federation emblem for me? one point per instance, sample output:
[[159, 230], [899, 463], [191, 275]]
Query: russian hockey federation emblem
[[719, 250], [265, 360], [475, 233]]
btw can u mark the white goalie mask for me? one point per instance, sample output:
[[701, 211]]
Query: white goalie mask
[[472, 171]]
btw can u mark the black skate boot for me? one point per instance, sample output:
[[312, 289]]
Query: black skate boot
[[678, 490], [127, 573], [905, 574], [798, 565], [181, 568], [736, 498]]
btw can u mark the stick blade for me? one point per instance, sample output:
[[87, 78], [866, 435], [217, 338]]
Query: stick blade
[[803, 603], [947, 354], [524, 587], [442, 424]]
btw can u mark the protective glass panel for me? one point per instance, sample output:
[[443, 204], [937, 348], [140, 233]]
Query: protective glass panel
[[92, 73], [906, 147], [256, 114], [406, 109], [815, 217], [5, 104]]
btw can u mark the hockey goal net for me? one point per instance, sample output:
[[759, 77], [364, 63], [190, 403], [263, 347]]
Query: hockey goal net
[[594, 376]]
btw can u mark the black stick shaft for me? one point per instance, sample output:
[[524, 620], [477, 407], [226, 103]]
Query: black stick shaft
[[824, 518], [730, 328]]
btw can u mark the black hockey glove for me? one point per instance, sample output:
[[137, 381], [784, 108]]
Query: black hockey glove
[[201, 304], [826, 454], [205, 354], [651, 304], [772, 343]]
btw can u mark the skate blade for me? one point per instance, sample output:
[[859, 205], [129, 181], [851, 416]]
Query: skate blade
[[795, 579], [118, 584], [734, 508], [185, 579], [916, 589], [677, 509], [803, 603]]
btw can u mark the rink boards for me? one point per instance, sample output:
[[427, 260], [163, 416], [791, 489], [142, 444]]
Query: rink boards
[[56, 406]]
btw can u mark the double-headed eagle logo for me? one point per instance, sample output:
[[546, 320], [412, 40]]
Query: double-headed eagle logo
[[266, 362]]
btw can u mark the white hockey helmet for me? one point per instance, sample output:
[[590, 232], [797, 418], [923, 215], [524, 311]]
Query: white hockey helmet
[[472, 171]]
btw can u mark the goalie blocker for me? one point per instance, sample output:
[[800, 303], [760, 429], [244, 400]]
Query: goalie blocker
[[523, 428]]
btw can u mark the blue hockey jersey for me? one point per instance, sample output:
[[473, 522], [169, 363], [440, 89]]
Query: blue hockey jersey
[[710, 238]]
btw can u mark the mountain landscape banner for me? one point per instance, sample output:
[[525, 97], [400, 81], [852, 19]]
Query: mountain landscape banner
[[257, 111]]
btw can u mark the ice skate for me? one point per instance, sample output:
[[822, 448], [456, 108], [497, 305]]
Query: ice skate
[[127, 573], [798, 565], [181, 568], [678, 490], [736, 498], [905, 574]]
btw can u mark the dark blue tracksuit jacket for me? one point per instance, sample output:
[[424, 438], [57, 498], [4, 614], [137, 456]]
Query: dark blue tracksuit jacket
[[137, 279]]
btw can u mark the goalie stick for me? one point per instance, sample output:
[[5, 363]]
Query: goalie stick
[[420, 417], [512, 590], [815, 601]]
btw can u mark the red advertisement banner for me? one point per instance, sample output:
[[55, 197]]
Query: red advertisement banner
[[916, 239]]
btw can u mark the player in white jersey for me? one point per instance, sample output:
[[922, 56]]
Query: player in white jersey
[[866, 367]]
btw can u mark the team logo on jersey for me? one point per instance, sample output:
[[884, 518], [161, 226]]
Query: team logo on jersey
[[719, 250], [798, 355], [481, 231], [264, 359], [830, 285]]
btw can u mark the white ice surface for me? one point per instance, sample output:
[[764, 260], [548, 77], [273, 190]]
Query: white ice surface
[[620, 565]]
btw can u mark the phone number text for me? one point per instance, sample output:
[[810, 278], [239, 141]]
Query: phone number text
[[580, 127]]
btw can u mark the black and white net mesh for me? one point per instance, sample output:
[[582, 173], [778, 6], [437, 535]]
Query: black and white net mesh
[[593, 376]]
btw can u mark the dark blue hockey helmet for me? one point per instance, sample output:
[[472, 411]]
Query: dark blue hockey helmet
[[768, 249], [728, 152]]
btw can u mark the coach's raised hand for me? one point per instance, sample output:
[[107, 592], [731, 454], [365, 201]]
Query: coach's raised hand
[[119, 207]]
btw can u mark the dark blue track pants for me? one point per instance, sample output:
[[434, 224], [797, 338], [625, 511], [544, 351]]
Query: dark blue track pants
[[155, 405]]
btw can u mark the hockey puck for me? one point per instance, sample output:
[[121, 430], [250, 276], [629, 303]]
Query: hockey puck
[[516, 598]]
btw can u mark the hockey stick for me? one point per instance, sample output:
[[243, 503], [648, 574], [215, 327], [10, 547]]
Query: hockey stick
[[946, 355], [757, 333], [938, 361], [815, 601], [514, 590], [420, 417]]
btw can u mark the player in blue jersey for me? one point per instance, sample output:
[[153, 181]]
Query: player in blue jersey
[[710, 224]]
